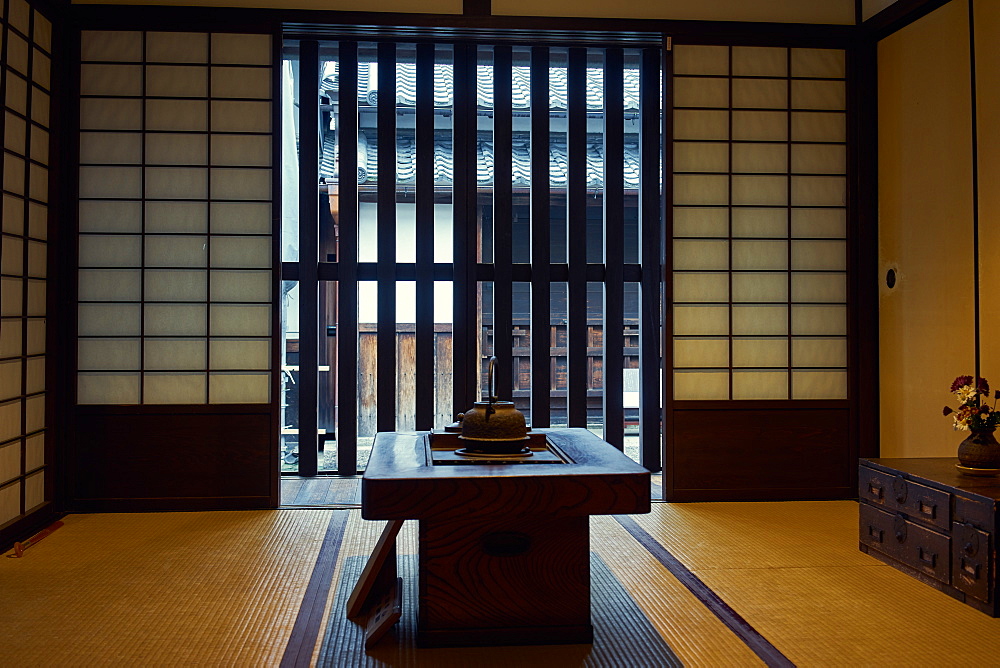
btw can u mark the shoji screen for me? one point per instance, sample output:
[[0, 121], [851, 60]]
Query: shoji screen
[[759, 249], [175, 263], [24, 87]]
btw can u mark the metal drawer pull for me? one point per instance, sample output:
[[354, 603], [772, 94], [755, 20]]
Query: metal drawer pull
[[970, 569], [927, 508], [876, 490], [929, 558], [875, 533]]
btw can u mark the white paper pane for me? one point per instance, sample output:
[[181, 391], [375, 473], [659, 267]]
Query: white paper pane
[[189, 115], [241, 286], [760, 158], [819, 385], [34, 451], [237, 49], [760, 320], [35, 343], [241, 150], [696, 59], [819, 223], [41, 69], [768, 255], [759, 222], [701, 385], [760, 190], [34, 413], [12, 255], [813, 126], [175, 388], [19, 15], [10, 420], [760, 385], [819, 287], [760, 352], [823, 320], [819, 159], [109, 285], [13, 214], [819, 191], [10, 461], [760, 125], [698, 92], [43, 32], [252, 184], [176, 183], [34, 491], [38, 183], [35, 375], [108, 250], [96, 216], [38, 220], [10, 337], [40, 105], [39, 145], [15, 133], [111, 182], [111, 45], [176, 149], [36, 298], [760, 287], [123, 148], [176, 217], [818, 94], [108, 354], [11, 296], [700, 189], [110, 114], [819, 352], [176, 251], [700, 157], [819, 255], [108, 388], [760, 93], [690, 254], [241, 217], [13, 175], [179, 354], [111, 80], [253, 82], [701, 320], [824, 63], [176, 81], [17, 53], [17, 94], [760, 61], [241, 252], [701, 124], [10, 502], [176, 285], [232, 116], [240, 320], [177, 47], [240, 354], [10, 379], [701, 353], [175, 319], [701, 222], [233, 388], [109, 320], [701, 287]]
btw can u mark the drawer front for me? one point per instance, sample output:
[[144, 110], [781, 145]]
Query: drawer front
[[970, 561], [907, 542], [894, 493]]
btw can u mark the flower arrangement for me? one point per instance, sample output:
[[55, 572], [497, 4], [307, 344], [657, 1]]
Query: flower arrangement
[[971, 415]]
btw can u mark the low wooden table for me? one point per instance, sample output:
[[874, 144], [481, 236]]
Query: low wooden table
[[504, 548]]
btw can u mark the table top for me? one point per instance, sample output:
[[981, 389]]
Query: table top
[[401, 483], [940, 470]]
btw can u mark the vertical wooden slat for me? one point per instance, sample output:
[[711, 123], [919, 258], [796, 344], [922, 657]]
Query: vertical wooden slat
[[541, 335], [386, 235], [424, 363], [503, 299], [465, 362], [347, 261], [666, 262], [614, 251], [649, 249], [308, 255], [576, 213]]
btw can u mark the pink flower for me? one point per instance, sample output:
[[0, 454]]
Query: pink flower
[[961, 381]]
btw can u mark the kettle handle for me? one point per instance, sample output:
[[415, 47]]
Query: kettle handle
[[491, 385]]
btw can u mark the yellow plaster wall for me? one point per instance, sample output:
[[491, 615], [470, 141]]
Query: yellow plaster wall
[[925, 230]]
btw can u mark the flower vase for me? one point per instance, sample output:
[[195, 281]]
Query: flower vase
[[979, 451]]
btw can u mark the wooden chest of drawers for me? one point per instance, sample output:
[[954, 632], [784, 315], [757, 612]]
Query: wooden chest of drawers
[[926, 519]]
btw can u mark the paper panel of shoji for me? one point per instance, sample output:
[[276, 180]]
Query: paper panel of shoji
[[175, 218]]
